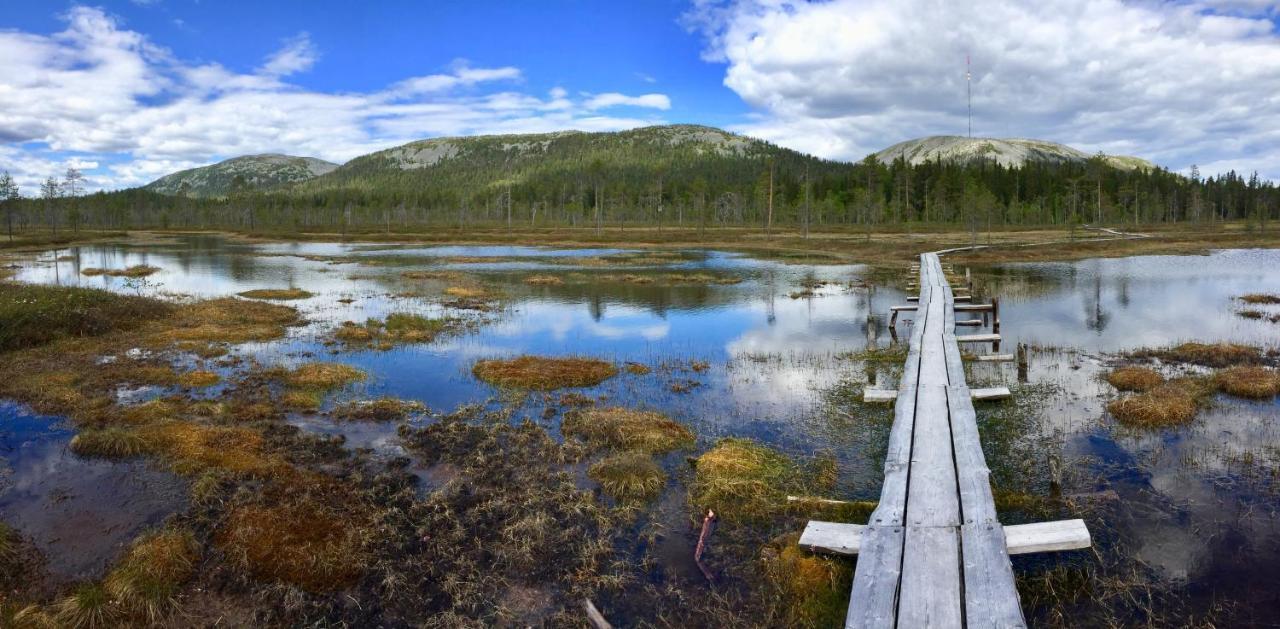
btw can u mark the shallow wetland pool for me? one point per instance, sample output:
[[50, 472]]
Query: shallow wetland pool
[[1185, 519]]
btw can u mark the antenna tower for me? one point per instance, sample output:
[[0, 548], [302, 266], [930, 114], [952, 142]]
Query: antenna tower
[[968, 88]]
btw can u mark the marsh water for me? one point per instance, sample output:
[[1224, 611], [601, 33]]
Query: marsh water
[[1192, 512]]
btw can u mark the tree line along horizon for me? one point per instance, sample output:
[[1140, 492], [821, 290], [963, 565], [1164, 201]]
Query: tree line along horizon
[[771, 189]]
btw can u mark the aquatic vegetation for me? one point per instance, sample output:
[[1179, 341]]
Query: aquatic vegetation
[[627, 429], [229, 320], [199, 378], [308, 400], [398, 327], [1260, 298], [380, 410], [277, 293], [894, 354], [192, 448], [543, 280], [465, 292], [628, 475], [1206, 354], [297, 541], [1169, 404], [638, 369], [1248, 381], [146, 581], [431, 275], [322, 376], [35, 315], [110, 443], [542, 373], [88, 606], [138, 270], [813, 590], [1132, 378], [742, 480]]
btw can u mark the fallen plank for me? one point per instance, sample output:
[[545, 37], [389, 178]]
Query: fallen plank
[[995, 358], [839, 538], [973, 307], [879, 395], [991, 393], [977, 338], [969, 322]]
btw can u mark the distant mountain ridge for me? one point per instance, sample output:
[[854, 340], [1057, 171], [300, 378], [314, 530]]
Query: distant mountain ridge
[[1010, 152], [257, 172]]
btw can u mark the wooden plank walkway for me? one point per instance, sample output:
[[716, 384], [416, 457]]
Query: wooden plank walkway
[[933, 553]]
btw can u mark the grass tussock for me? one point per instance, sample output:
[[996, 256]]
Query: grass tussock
[[147, 580], [638, 369], [299, 542], [741, 480], [627, 429], [192, 448], [541, 373], [380, 410], [1260, 298], [230, 320], [1248, 382], [465, 292], [1170, 404], [629, 475], [36, 315], [281, 294], [322, 376], [199, 378], [398, 327], [543, 280], [813, 590], [1215, 355], [88, 606], [110, 443], [1134, 378], [135, 271]]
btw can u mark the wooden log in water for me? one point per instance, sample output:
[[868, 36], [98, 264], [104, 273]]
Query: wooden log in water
[[990, 393], [995, 358]]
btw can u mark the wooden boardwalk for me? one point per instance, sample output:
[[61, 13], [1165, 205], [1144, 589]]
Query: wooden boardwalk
[[933, 553]]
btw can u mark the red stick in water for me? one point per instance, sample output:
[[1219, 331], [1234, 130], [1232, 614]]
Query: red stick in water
[[702, 544]]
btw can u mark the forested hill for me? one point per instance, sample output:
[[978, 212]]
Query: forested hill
[[560, 168], [240, 174]]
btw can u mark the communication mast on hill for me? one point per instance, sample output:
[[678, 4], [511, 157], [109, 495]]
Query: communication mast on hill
[[968, 89]]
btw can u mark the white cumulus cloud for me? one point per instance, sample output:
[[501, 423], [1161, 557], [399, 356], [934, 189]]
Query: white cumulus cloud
[[1176, 82]]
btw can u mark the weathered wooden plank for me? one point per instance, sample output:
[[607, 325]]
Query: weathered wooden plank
[[990, 393], [903, 308], [991, 597], [969, 322], [841, 538], [832, 538], [964, 297], [879, 396], [995, 358], [972, 476], [930, 591], [1044, 537], [973, 307], [873, 600], [931, 495], [977, 338]]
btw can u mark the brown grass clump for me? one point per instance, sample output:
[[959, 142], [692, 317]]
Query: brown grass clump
[[1249, 382], [199, 378], [276, 293], [1170, 404], [1208, 354], [542, 373], [543, 280], [138, 270], [430, 275], [380, 410], [230, 320], [308, 400], [813, 590], [147, 579], [322, 376], [88, 606], [193, 448], [1259, 298], [298, 542], [1134, 378], [629, 429], [741, 480], [464, 292], [637, 369], [109, 443], [398, 327], [628, 475]]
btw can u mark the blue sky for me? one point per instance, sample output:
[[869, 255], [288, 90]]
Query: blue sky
[[129, 90]]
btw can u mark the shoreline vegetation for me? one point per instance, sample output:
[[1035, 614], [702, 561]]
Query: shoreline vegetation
[[883, 246]]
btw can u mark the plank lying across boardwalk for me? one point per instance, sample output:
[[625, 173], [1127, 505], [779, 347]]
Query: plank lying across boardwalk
[[933, 553]]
